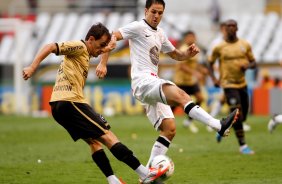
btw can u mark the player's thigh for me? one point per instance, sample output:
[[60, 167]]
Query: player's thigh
[[79, 119], [233, 98], [174, 95]]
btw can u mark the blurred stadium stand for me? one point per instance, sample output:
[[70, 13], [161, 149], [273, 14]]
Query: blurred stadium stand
[[70, 19]]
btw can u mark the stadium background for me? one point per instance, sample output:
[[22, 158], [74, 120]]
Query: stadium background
[[26, 25]]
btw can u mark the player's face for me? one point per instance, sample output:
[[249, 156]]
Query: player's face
[[190, 39], [154, 14], [231, 28], [97, 46]]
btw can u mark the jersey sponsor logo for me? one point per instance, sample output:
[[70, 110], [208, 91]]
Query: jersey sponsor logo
[[243, 49], [154, 55], [63, 88], [71, 49]]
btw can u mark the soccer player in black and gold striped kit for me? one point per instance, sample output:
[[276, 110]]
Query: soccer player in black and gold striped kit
[[235, 57], [71, 110]]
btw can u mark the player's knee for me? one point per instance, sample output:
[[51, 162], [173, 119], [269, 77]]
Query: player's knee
[[120, 151]]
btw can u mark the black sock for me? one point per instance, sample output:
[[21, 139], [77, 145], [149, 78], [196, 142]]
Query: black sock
[[163, 141], [122, 153], [239, 132], [102, 161]]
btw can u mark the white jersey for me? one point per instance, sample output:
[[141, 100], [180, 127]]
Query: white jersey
[[145, 44]]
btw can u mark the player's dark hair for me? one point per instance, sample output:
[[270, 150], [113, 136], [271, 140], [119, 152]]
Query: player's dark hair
[[222, 24], [97, 31], [189, 32], [150, 2]]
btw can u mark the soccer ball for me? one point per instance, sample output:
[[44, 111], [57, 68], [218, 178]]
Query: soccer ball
[[163, 161]]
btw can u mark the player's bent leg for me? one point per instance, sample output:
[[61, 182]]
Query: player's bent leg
[[167, 132]]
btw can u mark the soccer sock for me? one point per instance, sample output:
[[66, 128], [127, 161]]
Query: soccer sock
[[102, 161], [160, 147], [122, 153], [113, 179], [142, 171], [239, 132], [197, 113], [215, 108]]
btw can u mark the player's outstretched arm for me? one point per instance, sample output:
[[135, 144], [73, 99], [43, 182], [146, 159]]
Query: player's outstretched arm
[[101, 69], [40, 56], [182, 55]]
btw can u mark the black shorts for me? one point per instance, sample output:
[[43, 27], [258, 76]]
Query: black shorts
[[79, 119], [191, 90], [238, 98]]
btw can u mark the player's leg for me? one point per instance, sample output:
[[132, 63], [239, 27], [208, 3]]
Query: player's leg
[[162, 119], [82, 122], [238, 98], [100, 158], [176, 96], [125, 155], [244, 101], [196, 91]]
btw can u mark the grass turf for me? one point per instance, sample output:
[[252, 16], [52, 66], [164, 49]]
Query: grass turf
[[198, 158]]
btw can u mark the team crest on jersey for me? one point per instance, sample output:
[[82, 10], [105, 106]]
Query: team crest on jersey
[[154, 55], [243, 49]]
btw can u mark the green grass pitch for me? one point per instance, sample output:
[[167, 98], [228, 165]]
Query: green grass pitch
[[25, 141]]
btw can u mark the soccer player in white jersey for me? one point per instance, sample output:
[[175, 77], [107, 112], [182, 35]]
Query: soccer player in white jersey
[[146, 41]]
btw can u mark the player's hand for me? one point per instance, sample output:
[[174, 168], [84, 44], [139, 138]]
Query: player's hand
[[244, 67], [101, 71], [27, 72], [192, 50]]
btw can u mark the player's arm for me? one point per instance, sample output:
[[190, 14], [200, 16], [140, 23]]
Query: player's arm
[[101, 69], [182, 55], [40, 56], [250, 65], [250, 56]]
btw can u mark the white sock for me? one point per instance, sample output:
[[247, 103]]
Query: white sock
[[216, 107], [278, 118], [142, 171], [158, 149], [243, 147], [201, 115], [113, 179]]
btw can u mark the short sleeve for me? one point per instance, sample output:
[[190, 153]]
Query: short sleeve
[[214, 54], [166, 44], [70, 48], [130, 30]]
